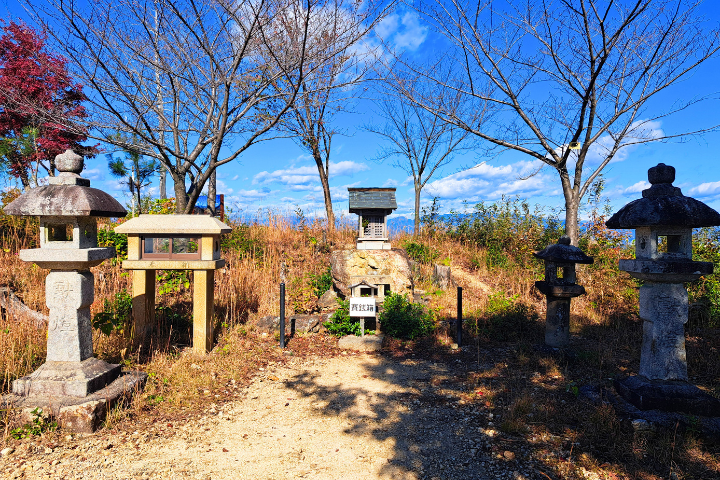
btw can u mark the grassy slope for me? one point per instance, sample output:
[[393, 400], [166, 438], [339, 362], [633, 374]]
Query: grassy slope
[[529, 392]]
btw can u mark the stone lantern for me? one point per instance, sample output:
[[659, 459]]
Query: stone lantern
[[559, 286], [663, 221], [68, 209]]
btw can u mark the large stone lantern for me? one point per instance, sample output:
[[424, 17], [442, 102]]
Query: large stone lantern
[[68, 209], [559, 287], [663, 221]]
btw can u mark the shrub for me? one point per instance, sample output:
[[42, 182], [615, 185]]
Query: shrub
[[420, 253], [509, 229], [239, 240], [322, 282], [108, 238], [341, 323], [115, 314], [402, 319], [705, 293]]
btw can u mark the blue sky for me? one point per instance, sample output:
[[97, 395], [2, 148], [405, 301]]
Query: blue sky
[[277, 174]]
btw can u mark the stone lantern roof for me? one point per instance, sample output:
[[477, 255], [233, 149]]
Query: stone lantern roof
[[664, 205], [563, 252], [68, 195]]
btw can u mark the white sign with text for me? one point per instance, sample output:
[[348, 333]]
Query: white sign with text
[[362, 306]]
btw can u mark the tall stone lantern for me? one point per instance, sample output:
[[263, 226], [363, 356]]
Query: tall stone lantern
[[663, 221], [68, 209], [559, 287]]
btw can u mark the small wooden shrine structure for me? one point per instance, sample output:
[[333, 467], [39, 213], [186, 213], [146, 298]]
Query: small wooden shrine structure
[[372, 205]]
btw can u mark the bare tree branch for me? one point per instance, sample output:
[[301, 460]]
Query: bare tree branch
[[552, 73]]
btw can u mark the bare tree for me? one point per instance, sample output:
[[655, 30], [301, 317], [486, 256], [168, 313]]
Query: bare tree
[[568, 82], [328, 91], [418, 142], [195, 81]]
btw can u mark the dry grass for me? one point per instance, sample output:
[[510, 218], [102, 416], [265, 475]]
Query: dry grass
[[527, 390]]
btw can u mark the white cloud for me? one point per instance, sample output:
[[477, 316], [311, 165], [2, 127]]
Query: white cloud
[[413, 34], [402, 33], [306, 177], [638, 131], [390, 182], [707, 189], [636, 188], [486, 182], [347, 167], [388, 26], [93, 174], [115, 185]]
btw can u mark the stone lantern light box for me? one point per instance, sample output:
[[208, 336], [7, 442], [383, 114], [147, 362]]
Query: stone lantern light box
[[174, 242], [372, 205]]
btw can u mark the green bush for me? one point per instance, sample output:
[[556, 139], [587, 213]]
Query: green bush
[[321, 283], [108, 238], [341, 323], [705, 293], [172, 281], [402, 319], [509, 230], [420, 253], [239, 240], [115, 314]]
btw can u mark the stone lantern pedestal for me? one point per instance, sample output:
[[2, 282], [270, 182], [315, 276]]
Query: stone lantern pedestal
[[71, 384], [559, 287], [663, 221]]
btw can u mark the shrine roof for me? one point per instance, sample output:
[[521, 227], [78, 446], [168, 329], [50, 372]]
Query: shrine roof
[[371, 198]]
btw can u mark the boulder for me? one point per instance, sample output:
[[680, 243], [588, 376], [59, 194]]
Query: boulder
[[328, 301], [442, 277], [303, 323], [379, 267], [368, 343]]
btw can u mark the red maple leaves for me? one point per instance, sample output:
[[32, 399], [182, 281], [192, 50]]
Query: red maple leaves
[[39, 105]]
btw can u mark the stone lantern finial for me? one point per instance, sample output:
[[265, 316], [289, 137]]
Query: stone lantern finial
[[69, 164]]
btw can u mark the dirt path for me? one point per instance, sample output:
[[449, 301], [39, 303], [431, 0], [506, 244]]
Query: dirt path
[[348, 417]]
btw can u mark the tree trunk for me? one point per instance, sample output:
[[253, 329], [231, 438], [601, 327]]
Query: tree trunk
[[163, 182], [326, 192], [212, 193], [571, 218], [416, 230], [24, 179], [181, 199]]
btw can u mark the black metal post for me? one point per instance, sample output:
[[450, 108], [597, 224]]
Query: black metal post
[[459, 317], [282, 315]]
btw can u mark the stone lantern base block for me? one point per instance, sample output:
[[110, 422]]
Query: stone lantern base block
[[78, 414], [667, 396], [76, 379]]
